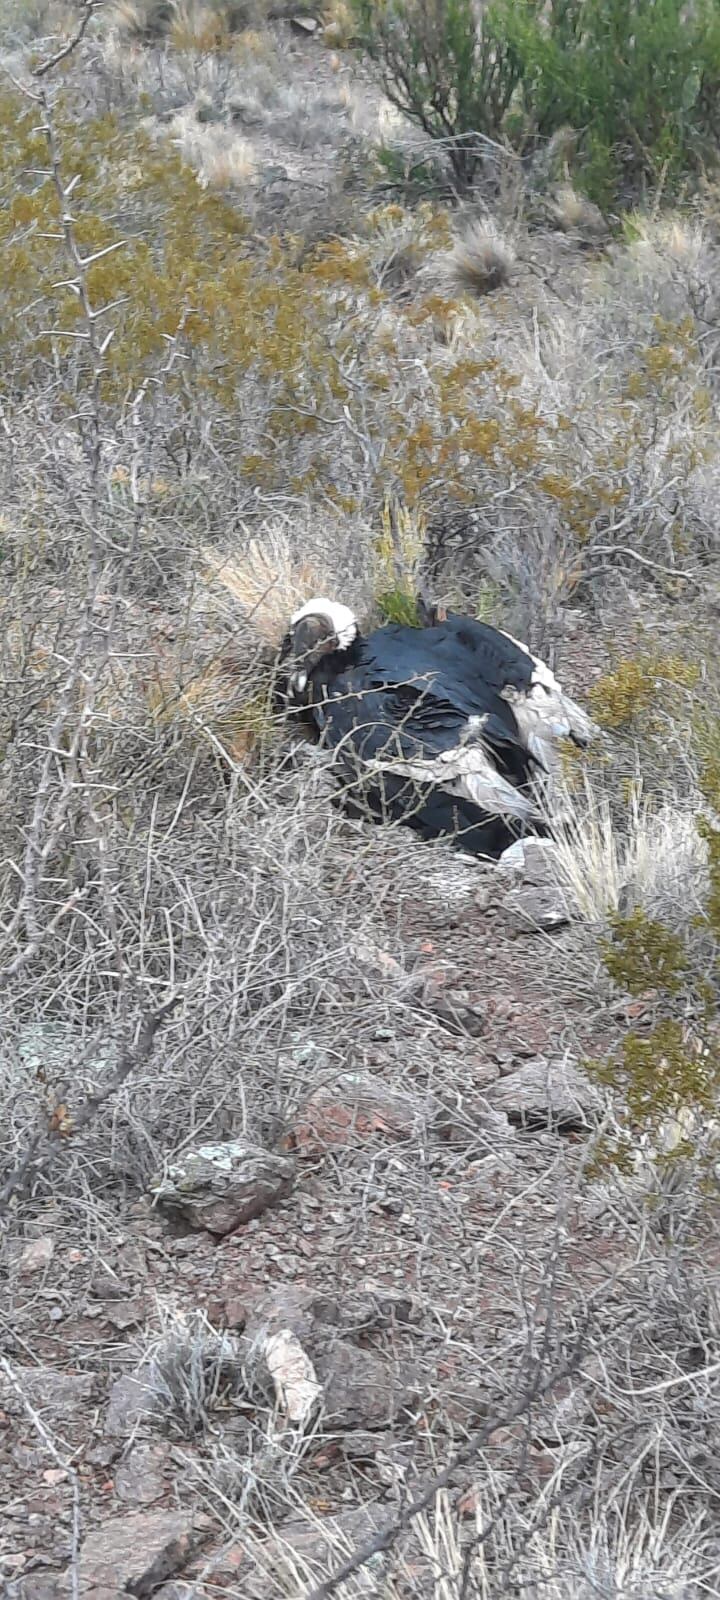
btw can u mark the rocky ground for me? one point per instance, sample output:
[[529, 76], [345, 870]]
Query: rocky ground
[[314, 1330]]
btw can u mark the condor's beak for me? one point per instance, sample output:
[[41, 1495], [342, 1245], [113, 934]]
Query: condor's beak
[[311, 640]]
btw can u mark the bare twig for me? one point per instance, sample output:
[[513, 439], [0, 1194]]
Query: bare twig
[[90, 7]]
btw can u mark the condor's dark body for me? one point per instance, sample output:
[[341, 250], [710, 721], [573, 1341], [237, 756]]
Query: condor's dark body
[[409, 694]]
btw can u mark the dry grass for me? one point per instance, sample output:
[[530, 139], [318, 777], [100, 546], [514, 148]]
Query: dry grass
[[482, 259], [277, 571], [195, 25], [221, 158], [653, 859]]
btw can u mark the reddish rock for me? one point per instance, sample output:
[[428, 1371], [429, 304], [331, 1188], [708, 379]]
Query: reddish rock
[[354, 1106]]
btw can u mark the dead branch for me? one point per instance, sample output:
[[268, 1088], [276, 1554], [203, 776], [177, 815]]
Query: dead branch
[[88, 11]]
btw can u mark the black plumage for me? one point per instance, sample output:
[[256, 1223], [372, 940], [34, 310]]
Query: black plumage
[[433, 727]]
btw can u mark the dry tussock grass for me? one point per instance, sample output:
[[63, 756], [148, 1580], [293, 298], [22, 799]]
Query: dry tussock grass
[[222, 159], [277, 570], [482, 259], [651, 858]]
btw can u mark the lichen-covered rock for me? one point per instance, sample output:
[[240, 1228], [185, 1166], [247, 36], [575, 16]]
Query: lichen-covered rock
[[220, 1186], [546, 1094]]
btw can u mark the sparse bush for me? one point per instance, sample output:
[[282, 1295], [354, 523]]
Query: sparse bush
[[411, 177], [638, 686], [641, 81], [671, 1070]]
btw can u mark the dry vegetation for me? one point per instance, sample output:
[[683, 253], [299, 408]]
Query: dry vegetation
[[243, 361]]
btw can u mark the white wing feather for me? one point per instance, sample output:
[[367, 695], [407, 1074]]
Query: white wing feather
[[467, 773]]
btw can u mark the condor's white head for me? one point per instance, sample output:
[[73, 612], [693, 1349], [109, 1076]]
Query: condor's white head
[[318, 629]]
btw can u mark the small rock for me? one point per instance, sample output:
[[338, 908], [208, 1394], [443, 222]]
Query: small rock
[[452, 1007], [355, 1105], [297, 1390], [38, 1586], [219, 1187], [543, 1094], [125, 1313], [306, 25], [106, 1286], [530, 908], [36, 1256], [139, 1478], [136, 1554], [361, 1389], [131, 1403], [534, 861], [101, 1454]]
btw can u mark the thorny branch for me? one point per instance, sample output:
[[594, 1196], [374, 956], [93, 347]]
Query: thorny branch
[[88, 11]]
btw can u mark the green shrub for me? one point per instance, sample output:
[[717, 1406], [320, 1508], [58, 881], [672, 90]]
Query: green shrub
[[639, 78], [448, 69]]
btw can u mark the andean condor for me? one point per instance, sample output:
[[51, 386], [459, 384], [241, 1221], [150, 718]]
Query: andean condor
[[452, 728]]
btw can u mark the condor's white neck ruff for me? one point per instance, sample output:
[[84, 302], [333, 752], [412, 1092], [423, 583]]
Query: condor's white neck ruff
[[343, 620]]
